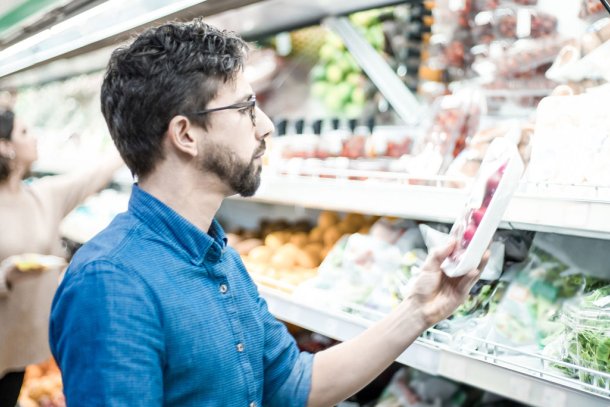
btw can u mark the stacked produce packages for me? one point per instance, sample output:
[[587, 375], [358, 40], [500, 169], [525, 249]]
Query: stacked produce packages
[[528, 317], [574, 130], [365, 274], [586, 337]]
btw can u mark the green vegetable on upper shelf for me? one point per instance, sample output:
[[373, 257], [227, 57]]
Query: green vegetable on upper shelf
[[337, 80]]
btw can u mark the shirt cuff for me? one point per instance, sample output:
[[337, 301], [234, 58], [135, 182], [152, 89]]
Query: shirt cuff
[[295, 390]]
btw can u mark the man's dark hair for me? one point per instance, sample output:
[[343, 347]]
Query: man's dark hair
[[168, 70], [7, 122]]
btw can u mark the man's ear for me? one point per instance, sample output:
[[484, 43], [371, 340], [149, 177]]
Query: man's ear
[[180, 135]]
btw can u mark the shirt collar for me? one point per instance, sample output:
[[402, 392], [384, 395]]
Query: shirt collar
[[200, 246]]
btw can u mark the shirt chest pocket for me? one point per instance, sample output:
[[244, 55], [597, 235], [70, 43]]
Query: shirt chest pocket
[[201, 346]]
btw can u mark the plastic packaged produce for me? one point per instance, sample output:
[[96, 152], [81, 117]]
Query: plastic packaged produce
[[483, 5], [524, 90], [574, 130], [512, 24], [522, 56], [585, 60], [412, 388], [529, 314], [468, 162], [367, 273], [455, 119], [491, 192], [591, 9], [587, 343]]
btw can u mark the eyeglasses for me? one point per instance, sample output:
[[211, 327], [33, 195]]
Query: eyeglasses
[[249, 105]]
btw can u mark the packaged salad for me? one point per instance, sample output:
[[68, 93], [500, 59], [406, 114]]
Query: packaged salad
[[587, 322], [491, 192]]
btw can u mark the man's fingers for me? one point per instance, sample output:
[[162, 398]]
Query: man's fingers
[[484, 260], [468, 280], [439, 254]]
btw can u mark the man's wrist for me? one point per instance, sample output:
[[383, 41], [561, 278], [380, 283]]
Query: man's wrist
[[413, 311]]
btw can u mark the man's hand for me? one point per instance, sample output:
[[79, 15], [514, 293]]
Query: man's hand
[[434, 294]]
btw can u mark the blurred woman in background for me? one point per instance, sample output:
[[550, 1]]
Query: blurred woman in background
[[30, 216]]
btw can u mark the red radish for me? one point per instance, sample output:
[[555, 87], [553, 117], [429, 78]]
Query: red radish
[[468, 235], [477, 216], [492, 183]]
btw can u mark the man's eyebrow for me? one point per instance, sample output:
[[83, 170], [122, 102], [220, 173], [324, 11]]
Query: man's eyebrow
[[246, 98]]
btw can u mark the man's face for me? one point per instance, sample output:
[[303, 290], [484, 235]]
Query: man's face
[[233, 146]]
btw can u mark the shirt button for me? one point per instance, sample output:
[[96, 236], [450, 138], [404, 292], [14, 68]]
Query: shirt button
[[223, 288], [240, 347]]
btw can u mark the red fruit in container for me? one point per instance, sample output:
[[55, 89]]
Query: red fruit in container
[[468, 235], [492, 183], [477, 215], [497, 180]]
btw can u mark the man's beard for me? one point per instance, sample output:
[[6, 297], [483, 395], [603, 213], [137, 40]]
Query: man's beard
[[242, 177]]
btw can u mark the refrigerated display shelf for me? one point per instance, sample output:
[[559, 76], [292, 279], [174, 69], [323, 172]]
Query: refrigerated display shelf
[[432, 353], [576, 210], [587, 215]]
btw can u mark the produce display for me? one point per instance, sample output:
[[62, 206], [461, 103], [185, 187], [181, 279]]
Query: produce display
[[559, 120], [366, 273], [337, 79], [529, 314], [587, 334], [42, 386], [394, 32], [520, 57], [356, 143], [290, 253], [512, 23], [454, 120]]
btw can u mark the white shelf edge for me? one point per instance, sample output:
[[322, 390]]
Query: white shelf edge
[[436, 359], [577, 216]]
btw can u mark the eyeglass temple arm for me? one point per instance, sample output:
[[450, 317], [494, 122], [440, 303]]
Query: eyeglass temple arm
[[606, 5]]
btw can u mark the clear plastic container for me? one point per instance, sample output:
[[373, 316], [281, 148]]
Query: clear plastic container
[[492, 190], [455, 119], [587, 320], [520, 57], [483, 5], [511, 24]]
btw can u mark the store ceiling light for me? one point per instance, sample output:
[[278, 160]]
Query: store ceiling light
[[98, 23]]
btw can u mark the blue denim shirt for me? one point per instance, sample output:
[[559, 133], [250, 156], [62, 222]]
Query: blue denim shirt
[[155, 312]]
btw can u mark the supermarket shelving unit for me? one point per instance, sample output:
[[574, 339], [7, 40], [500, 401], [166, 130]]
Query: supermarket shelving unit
[[486, 370], [578, 211]]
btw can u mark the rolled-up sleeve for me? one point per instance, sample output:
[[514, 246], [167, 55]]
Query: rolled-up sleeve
[[105, 334], [287, 370]]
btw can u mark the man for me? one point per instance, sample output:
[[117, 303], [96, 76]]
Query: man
[[157, 310]]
